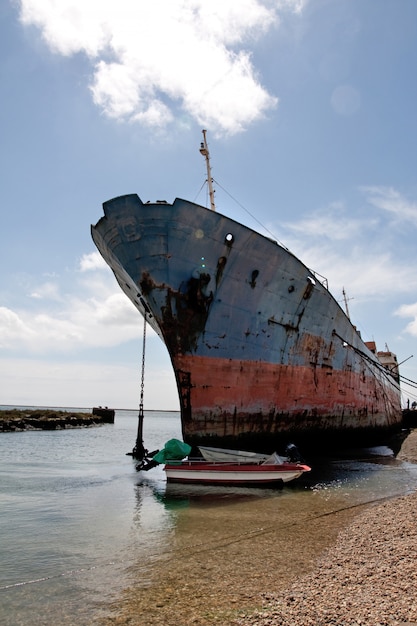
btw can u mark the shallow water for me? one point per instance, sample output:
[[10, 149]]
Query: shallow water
[[72, 520], [79, 524]]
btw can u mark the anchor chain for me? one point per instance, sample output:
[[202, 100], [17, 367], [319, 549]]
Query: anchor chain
[[139, 452]]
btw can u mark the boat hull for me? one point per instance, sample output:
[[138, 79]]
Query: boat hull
[[262, 353], [232, 474]]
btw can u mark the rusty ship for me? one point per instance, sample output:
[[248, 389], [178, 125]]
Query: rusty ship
[[262, 353]]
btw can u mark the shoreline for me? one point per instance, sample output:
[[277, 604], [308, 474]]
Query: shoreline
[[368, 576], [355, 566]]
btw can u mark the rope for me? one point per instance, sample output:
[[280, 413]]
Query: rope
[[383, 370], [251, 215], [412, 383]]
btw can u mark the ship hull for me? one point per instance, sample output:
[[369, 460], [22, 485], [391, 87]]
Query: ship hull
[[261, 351]]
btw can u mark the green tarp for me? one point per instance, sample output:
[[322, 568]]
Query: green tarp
[[174, 450]]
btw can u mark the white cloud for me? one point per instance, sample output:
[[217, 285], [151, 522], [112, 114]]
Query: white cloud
[[92, 313], [332, 223], [393, 202], [13, 328], [45, 337], [84, 384], [46, 291], [354, 247], [407, 311], [92, 261], [151, 57]]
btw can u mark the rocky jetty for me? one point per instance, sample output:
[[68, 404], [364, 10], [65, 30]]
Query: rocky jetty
[[17, 420]]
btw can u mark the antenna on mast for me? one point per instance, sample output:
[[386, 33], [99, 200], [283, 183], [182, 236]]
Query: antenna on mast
[[345, 298], [205, 152]]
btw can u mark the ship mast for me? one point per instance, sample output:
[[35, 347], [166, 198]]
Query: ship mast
[[345, 298], [205, 152]]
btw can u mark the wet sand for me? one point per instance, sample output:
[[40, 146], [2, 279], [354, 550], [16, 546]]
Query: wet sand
[[349, 566]]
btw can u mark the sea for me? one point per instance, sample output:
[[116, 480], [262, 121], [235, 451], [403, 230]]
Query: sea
[[79, 525]]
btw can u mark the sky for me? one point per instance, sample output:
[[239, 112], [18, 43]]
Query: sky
[[310, 108]]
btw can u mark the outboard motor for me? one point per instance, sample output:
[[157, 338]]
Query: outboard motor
[[147, 462], [293, 454]]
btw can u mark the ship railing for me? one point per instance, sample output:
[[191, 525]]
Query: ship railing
[[322, 279]]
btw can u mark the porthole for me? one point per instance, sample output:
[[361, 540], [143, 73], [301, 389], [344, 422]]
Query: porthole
[[229, 239]]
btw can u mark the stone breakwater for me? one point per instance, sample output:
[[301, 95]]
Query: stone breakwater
[[17, 420]]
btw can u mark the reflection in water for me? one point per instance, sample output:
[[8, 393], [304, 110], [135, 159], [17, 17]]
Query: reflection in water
[[365, 475]]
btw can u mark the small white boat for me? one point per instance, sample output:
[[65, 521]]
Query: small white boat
[[217, 473], [231, 456]]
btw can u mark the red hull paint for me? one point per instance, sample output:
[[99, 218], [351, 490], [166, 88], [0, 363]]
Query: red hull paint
[[242, 396]]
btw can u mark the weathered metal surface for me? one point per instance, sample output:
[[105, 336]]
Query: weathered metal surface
[[259, 347]]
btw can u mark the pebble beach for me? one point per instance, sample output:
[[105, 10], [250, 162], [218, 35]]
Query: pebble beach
[[369, 576]]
